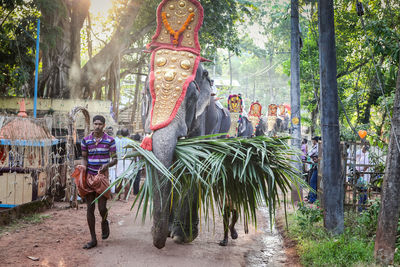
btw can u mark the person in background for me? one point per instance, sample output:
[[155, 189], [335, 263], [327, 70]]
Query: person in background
[[314, 150], [91, 178], [123, 164], [304, 151], [112, 172], [363, 178], [362, 159], [136, 183], [214, 94], [312, 196]]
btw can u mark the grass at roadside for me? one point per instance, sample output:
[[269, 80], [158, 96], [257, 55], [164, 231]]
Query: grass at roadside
[[23, 222], [317, 247]]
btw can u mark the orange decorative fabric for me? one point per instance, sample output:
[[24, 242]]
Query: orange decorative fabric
[[88, 183]]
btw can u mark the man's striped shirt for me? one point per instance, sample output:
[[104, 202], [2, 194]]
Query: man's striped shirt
[[99, 153]]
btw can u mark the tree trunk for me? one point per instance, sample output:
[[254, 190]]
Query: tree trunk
[[385, 241], [295, 93], [55, 59], [79, 12], [332, 182], [136, 99], [95, 68]]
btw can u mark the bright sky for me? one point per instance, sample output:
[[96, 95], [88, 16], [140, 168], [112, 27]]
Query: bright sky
[[100, 6]]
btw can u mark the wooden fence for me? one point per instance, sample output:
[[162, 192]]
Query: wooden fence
[[361, 180]]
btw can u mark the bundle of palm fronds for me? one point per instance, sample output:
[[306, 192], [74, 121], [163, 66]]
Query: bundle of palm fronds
[[241, 173]]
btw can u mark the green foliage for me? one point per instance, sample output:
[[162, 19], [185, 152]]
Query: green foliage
[[368, 220], [17, 46], [247, 172], [309, 214], [355, 247], [340, 251]]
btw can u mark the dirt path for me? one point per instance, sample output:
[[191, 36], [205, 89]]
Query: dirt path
[[58, 239]]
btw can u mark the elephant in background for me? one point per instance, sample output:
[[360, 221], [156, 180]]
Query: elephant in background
[[245, 128], [196, 116]]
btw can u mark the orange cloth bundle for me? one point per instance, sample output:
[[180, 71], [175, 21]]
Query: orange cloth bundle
[[88, 183]]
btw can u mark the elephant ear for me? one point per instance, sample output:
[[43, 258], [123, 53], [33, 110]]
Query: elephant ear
[[204, 86]]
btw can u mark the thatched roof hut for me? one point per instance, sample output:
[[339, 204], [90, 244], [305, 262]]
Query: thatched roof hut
[[25, 132]]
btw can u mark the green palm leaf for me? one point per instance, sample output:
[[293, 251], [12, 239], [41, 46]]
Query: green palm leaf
[[248, 172]]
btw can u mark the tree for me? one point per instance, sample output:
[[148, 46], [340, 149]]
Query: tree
[[332, 182], [295, 88], [386, 234]]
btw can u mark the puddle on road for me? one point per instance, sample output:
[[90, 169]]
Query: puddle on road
[[271, 252]]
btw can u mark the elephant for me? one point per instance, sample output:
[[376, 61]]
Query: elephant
[[245, 128], [196, 116], [277, 125]]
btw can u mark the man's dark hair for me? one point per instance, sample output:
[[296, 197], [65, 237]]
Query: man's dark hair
[[99, 118], [316, 138], [125, 132], [136, 137]]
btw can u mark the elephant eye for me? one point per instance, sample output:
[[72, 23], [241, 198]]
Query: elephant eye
[[161, 61]]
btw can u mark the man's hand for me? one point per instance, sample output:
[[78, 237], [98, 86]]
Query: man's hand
[[103, 168]]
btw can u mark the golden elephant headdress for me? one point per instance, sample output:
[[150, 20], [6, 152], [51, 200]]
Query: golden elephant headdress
[[175, 57], [255, 114]]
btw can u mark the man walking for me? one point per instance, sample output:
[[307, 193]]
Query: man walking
[[98, 155]]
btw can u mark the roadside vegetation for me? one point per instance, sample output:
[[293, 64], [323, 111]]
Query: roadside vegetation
[[317, 247]]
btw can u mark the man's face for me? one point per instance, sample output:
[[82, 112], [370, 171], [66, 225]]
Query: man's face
[[98, 126]]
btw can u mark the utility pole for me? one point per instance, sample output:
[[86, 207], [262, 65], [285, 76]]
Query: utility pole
[[295, 93], [331, 169]]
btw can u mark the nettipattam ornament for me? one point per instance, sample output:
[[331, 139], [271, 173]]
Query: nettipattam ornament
[[175, 57], [235, 107], [255, 114]]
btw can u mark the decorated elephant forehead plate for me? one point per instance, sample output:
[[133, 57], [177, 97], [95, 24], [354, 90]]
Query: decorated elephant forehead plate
[[172, 71], [255, 114], [235, 104], [178, 23], [255, 109], [272, 110], [175, 57]]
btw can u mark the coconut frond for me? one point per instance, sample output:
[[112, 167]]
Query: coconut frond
[[240, 173]]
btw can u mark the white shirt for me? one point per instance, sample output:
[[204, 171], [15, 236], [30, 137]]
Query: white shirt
[[363, 158]]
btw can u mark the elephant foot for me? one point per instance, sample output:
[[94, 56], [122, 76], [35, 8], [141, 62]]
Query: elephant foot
[[159, 239], [224, 242], [234, 234], [159, 243]]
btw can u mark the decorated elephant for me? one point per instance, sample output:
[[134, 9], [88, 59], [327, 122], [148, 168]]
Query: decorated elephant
[[245, 128], [178, 104], [240, 124], [277, 120]]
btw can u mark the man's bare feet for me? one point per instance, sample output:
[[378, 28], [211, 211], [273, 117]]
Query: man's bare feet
[[90, 245]]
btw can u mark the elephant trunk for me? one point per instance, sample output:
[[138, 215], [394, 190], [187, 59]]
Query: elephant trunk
[[164, 142]]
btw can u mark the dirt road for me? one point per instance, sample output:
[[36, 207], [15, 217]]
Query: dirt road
[[58, 241]]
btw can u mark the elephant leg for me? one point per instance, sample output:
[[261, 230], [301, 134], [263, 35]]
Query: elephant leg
[[161, 216], [234, 234], [226, 216], [186, 220]]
